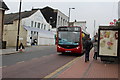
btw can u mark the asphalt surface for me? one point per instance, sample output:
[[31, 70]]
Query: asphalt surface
[[34, 63], [28, 54]]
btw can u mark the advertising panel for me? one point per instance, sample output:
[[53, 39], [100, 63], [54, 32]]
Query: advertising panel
[[108, 43]]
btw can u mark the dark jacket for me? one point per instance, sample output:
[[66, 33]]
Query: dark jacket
[[88, 45]]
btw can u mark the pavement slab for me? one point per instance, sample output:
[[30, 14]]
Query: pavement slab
[[91, 69]]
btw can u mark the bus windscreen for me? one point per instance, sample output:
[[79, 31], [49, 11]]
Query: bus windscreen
[[69, 38]]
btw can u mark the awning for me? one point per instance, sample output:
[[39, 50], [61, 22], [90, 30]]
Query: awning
[[37, 30], [42, 33]]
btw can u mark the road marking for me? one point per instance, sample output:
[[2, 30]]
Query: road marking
[[3, 66], [61, 68], [20, 62]]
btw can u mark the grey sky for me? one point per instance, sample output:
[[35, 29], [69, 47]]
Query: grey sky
[[102, 12]]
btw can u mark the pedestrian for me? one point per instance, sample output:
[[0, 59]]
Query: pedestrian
[[95, 45], [35, 41], [21, 46], [88, 47]]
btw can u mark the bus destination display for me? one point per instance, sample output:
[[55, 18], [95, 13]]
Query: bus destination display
[[76, 29]]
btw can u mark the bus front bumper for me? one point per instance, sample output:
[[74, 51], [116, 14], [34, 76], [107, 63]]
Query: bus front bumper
[[73, 50]]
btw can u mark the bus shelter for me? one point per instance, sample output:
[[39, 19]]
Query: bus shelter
[[109, 43]]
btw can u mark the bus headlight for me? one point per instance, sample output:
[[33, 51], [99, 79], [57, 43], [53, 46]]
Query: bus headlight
[[59, 47], [77, 47]]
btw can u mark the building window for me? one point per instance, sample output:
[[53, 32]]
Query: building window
[[66, 22], [38, 25], [61, 21], [48, 29], [44, 27], [58, 20], [31, 32], [34, 32], [35, 24], [31, 23]]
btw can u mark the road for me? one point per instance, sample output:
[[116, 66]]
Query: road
[[28, 54], [36, 62]]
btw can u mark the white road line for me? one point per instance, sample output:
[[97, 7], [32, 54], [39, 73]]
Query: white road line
[[20, 62], [3, 66]]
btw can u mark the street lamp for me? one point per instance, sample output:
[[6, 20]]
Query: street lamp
[[18, 26], [50, 20], [69, 16]]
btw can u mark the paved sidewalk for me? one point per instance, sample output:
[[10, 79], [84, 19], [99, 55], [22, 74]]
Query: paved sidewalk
[[9, 50], [91, 69]]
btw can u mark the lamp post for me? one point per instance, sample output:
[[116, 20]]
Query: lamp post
[[69, 16], [50, 20], [18, 26]]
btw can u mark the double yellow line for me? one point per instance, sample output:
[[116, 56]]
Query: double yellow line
[[61, 68]]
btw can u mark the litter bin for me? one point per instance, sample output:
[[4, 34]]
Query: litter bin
[[3, 44]]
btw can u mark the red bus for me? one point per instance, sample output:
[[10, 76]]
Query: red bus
[[69, 39]]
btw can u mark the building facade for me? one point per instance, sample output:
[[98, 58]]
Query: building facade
[[62, 19], [82, 24], [119, 10], [33, 25], [3, 7], [54, 17]]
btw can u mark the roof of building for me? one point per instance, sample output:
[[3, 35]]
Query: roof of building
[[9, 18], [3, 6], [43, 33]]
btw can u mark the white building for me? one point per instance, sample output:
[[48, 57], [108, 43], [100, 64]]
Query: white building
[[55, 17], [82, 24], [62, 19], [33, 26], [119, 10]]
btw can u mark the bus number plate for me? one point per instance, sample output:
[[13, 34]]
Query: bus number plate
[[67, 51]]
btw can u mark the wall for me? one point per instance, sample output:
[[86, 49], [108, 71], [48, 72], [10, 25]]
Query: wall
[[62, 19], [46, 39], [50, 15], [35, 31], [38, 18], [81, 24], [119, 9], [10, 34]]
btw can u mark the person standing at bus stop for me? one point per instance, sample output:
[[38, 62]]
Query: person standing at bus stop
[[88, 47], [95, 45]]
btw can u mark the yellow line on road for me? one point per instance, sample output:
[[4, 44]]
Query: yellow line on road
[[61, 68]]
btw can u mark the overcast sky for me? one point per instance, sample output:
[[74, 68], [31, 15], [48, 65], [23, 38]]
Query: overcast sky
[[102, 11]]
